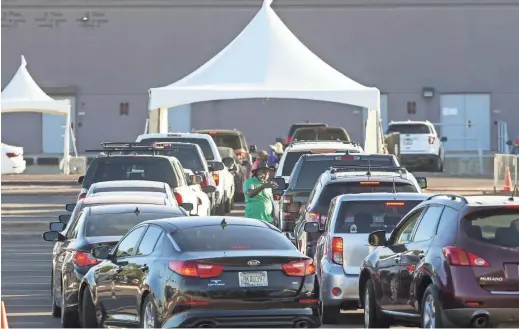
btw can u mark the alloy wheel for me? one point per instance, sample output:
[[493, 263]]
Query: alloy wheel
[[149, 316], [429, 313], [366, 309]]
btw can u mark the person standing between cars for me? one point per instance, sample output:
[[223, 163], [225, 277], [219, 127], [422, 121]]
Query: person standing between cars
[[259, 199], [262, 157]]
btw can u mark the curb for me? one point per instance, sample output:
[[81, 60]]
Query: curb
[[39, 183]]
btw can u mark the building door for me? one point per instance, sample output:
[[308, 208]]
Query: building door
[[465, 121], [53, 129], [383, 115], [179, 119]]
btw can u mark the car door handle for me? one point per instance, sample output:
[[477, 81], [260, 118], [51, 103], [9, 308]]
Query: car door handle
[[144, 268]]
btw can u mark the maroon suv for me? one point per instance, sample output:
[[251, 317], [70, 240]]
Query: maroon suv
[[450, 262]]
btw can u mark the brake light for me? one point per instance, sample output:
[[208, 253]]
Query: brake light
[[277, 197], [432, 139], [369, 183], [216, 177], [323, 151], [287, 199], [81, 196], [459, 257], [299, 268], [316, 217], [337, 250], [346, 157], [395, 204], [204, 182], [194, 269], [84, 259], [213, 132], [178, 197], [12, 155]]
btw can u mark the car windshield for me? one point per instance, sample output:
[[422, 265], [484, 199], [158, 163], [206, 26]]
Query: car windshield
[[203, 143], [227, 140], [321, 133], [311, 170], [99, 190], [118, 224], [157, 169], [368, 216], [217, 237], [494, 226], [409, 129]]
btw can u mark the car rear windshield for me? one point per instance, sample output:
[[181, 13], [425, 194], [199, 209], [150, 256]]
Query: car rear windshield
[[368, 216], [311, 170], [309, 125], [203, 143], [157, 169], [409, 129], [128, 189], [188, 157], [119, 223], [227, 140], [494, 226], [330, 191], [230, 237], [321, 133]]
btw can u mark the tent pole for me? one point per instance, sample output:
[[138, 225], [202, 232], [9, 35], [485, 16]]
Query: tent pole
[[66, 151]]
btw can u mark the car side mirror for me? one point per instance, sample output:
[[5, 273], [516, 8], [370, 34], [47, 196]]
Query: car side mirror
[[216, 166], [280, 182], [64, 218], [57, 226], [101, 252], [422, 181], [377, 238], [53, 236], [228, 162], [253, 148], [195, 179], [70, 206], [209, 189], [509, 143], [443, 139], [81, 179], [312, 227], [187, 206]]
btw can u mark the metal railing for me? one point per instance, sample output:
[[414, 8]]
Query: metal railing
[[505, 164]]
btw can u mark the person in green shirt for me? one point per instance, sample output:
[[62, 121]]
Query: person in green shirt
[[258, 194]]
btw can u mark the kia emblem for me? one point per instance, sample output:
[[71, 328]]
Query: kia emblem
[[253, 262]]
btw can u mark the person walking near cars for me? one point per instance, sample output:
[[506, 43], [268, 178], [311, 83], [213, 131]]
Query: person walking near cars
[[262, 157], [258, 194]]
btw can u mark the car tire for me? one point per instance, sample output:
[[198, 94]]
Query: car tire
[[373, 317], [88, 311], [431, 309], [438, 165], [69, 317], [56, 310], [149, 314], [329, 314]]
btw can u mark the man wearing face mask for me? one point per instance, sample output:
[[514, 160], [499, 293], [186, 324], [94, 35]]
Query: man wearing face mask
[[258, 194]]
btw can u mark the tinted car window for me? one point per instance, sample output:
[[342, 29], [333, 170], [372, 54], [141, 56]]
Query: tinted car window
[[132, 167], [290, 161], [369, 216], [188, 157], [448, 220], [233, 237], [227, 140], [428, 224], [321, 133], [409, 129], [494, 226], [118, 223], [149, 241], [128, 243], [405, 231], [203, 143]]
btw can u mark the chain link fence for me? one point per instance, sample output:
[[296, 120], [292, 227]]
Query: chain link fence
[[504, 164]]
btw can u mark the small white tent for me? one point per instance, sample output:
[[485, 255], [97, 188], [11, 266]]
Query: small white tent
[[266, 60], [22, 94]]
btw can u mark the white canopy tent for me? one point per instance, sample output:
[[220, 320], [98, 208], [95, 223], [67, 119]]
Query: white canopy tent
[[266, 60], [22, 94]]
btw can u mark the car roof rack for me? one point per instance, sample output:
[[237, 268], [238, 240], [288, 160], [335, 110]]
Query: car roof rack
[[108, 148], [453, 197]]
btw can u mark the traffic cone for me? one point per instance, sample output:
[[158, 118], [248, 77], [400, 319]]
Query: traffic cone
[[508, 181]]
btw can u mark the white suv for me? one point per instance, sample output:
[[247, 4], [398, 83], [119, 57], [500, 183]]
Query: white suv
[[420, 145]]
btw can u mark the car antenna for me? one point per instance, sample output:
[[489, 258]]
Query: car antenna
[[511, 198], [223, 223], [369, 168], [137, 211], [394, 185]]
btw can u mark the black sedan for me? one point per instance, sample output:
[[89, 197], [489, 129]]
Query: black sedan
[[93, 226], [205, 273]]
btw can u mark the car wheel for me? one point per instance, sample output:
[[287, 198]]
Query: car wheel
[[430, 309], [373, 317], [88, 311], [149, 313], [56, 310], [70, 316]]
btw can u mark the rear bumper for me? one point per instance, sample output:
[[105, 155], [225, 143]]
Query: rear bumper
[[333, 276], [418, 158], [273, 318], [462, 317]]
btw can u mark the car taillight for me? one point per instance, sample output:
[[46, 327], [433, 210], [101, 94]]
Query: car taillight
[[316, 217], [216, 177], [277, 197], [84, 259], [195, 269], [459, 257], [337, 250], [432, 139], [288, 218], [12, 155], [204, 182], [178, 197], [81, 196], [299, 268]]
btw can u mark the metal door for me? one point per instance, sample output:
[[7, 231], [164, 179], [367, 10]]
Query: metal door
[[477, 111], [452, 122], [179, 119], [53, 128]]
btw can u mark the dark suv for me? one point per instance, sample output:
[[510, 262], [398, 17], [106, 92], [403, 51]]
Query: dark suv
[[450, 262]]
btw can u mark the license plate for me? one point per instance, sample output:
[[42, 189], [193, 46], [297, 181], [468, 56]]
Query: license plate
[[253, 279], [408, 142]]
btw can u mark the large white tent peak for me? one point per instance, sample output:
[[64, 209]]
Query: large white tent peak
[[266, 60]]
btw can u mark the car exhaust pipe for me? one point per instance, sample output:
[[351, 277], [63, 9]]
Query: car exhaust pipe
[[302, 324], [206, 325], [480, 320]]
